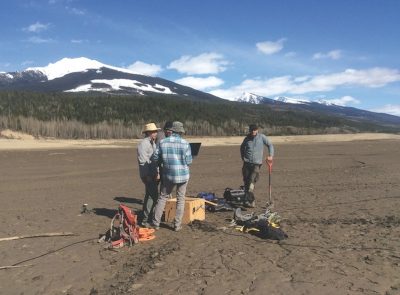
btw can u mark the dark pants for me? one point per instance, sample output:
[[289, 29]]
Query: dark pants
[[150, 199], [251, 173]]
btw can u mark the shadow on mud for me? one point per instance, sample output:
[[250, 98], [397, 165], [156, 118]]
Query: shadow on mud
[[123, 199], [104, 212]]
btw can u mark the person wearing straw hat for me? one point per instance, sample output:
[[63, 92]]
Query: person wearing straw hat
[[251, 152], [148, 171], [175, 155]]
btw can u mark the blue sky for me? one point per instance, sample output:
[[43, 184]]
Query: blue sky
[[343, 51]]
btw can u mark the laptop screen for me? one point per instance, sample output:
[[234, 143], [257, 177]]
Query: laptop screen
[[195, 147]]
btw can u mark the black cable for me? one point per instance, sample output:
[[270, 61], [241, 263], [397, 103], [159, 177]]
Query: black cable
[[53, 251]]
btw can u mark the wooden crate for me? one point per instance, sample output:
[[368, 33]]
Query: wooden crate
[[194, 209]]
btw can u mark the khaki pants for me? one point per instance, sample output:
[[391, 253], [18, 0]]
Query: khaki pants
[[166, 190]]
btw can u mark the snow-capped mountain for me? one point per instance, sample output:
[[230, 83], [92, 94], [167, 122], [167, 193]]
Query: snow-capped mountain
[[322, 107], [86, 75], [250, 98], [67, 66], [257, 99]]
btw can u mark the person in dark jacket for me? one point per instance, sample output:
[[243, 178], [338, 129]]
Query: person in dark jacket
[[251, 152]]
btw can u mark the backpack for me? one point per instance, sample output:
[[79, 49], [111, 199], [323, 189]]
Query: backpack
[[238, 195], [124, 229]]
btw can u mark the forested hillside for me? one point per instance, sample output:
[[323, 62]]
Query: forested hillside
[[118, 116]]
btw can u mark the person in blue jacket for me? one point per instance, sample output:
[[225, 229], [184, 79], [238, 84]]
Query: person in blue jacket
[[252, 154]]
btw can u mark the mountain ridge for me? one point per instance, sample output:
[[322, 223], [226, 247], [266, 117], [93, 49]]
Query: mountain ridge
[[82, 75], [85, 75], [322, 106]]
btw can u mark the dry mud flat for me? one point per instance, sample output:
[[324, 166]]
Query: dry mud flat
[[340, 202]]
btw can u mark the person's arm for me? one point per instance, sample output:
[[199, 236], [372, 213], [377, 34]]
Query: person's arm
[[242, 149], [143, 160], [188, 155], [270, 146]]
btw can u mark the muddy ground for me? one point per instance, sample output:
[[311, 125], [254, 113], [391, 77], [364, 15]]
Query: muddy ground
[[340, 202]]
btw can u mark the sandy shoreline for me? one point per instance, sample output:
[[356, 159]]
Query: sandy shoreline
[[44, 144]]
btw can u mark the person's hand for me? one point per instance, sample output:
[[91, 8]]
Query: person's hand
[[269, 161]]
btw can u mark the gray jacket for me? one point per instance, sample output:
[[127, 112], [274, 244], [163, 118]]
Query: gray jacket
[[145, 150], [252, 149]]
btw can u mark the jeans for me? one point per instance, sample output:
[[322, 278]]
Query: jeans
[[150, 199], [251, 173], [166, 190]]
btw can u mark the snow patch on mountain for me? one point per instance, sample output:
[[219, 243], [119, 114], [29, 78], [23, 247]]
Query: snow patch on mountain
[[325, 102], [71, 65], [117, 84], [291, 100], [7, 75], [249, 98]]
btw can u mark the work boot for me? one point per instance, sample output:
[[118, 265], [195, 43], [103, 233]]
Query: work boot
[[145, 224]]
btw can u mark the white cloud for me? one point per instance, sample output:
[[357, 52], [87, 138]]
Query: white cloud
[[75, 11], [270, 47], [36, 27], [371, 78], [343, 101], [333, 54], [206, 63], [388, 109], [142, 68], [39, 40], [201, 83], [78, 41]]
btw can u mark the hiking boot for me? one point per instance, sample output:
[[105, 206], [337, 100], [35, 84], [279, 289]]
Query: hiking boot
[[252, 204], [145, 225]]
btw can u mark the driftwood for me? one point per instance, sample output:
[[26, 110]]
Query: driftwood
[[14, 266], [37, 236]]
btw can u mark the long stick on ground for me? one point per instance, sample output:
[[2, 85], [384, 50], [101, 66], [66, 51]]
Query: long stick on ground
[[14, 266], [37, 236]]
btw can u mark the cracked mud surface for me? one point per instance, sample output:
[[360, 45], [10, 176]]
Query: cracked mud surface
[[340, 204]]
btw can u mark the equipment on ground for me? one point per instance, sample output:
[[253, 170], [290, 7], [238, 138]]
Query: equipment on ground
[[124, 229], [238, 196], [213, 203], [265, 225]]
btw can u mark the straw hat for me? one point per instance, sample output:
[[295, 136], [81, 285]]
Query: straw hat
[[150, 127]]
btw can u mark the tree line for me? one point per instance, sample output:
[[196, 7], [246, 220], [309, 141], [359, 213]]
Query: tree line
[[91, 115]]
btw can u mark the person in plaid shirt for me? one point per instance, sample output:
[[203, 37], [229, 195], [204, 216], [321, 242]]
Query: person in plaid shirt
[[175, 154]]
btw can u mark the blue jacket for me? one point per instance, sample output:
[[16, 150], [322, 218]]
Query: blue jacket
[[252, 148]]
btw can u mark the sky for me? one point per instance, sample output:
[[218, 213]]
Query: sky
[[343, 51]]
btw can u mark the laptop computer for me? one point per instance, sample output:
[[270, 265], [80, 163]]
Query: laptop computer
[[195, 147]]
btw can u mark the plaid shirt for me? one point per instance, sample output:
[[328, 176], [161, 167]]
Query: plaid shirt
[[176, 156]]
